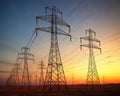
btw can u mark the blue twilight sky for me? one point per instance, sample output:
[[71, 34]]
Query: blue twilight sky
[[17, 23]]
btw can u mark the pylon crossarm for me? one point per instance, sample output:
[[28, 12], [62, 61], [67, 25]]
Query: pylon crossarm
[[84, 45], [95, 39], [88, 31], [85, 38], [28, 58], [20, 58], [30, 54], [51, 8], [22, 53], [62, 22], [25, 48], [46, 29], [61, 32], [46, 18], [94, 46], [88, 38], [90, 46]]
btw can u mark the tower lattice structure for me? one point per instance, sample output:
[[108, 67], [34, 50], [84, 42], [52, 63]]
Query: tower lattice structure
[[17, 74], [92, 74], [41, 68], [13, 79], [55, 76], [25, 55]]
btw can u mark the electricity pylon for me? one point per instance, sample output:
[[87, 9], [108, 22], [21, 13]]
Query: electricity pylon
[[13, 79], [92, 75], [17, 77], [41, 68], [55, 76], [25, 55]]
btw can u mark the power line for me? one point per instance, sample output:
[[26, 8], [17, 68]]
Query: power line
[[32, 39]]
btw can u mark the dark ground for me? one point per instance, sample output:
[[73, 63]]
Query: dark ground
[[74, 90]]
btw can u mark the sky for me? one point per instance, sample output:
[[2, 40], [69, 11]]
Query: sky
[[17, 23]]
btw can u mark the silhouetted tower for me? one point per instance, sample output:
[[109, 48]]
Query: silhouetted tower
[[25, 55], [13, 79], [72, 79], [17, 74], [92, 75], [41, 68], [36, 79], [55, 76]]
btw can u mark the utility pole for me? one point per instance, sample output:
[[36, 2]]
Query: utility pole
[[41, 66], [25, 55], [55, 76], [92, 74]]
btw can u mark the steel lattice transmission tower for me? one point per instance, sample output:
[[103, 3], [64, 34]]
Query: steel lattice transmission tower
[[13, 79], [25, 55], [17, 74], [92, 75], [55, 76], [41, 68]]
